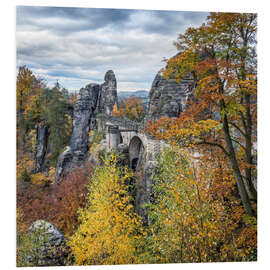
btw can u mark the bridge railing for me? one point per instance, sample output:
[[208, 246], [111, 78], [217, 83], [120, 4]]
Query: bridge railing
[[126, 123]]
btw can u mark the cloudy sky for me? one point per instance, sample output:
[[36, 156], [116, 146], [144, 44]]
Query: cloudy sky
[[77, 46]]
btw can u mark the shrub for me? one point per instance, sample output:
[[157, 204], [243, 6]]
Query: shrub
[[41, 179], [56, 203]]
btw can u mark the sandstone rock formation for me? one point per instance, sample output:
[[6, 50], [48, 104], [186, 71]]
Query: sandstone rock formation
[[168, 98], [107, 95], [84, 109], [64, 163], [94, 99], [144, 188], [42, 133], [50, 245]]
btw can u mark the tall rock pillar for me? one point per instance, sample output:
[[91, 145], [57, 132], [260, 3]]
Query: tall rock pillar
[[83, 112], [108, 94]]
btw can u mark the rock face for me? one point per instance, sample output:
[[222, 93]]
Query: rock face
[[168, 98], [108, 94], [50, 245], [84, 108], [83, 112], [94, 99], [64, 163], [143, 192], [42, 134]]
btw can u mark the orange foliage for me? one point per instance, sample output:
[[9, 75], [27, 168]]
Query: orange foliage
[[56, 203], [223, 110], [132, 108]]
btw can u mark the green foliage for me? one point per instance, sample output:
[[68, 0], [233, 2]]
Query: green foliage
[[36, 104], [55, 113], [26, 177], [30, 246], [101, 116], [187, 224]]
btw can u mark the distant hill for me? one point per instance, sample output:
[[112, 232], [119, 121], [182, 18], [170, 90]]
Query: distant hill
[[140, 93], [125, 94]]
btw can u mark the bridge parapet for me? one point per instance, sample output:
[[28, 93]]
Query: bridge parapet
[[125, 123]]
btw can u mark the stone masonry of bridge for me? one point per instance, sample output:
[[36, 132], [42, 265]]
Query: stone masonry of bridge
[[127, 132]]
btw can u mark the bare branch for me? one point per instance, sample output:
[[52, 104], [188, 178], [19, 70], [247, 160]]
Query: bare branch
[[238, 128], [239, 143], [215, 144]]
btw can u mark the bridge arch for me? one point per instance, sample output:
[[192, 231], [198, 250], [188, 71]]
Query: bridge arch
[[136, 151]]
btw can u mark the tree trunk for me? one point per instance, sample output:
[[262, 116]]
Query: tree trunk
[[236, 171], [248, 151]]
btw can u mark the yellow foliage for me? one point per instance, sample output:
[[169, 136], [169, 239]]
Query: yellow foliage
[[40, 179], [94, 140], [33, 135], [20, 226], [189, 225], [132, 108], [25, 80], [25, 164], [115, 110], [109, 227]]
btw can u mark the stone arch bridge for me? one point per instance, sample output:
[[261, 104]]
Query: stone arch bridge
[[142, 148]]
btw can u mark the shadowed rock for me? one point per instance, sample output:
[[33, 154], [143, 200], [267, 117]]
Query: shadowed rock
[[143, 192], [64, 164], [84, 108], [49, 245], [83, 112], [42, 134], [167, 97]]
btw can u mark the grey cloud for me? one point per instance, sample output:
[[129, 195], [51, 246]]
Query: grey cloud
[[77, 19], [79, 44]]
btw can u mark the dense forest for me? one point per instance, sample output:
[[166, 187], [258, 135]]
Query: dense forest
[[203, 205]]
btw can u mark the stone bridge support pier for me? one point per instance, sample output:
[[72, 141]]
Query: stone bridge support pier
[[112, 137]]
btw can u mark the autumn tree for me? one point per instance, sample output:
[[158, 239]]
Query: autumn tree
[[187, 222], [38, 105], [109, 227], [28, 90], [132, 108], [221, 56], [73, 98]]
